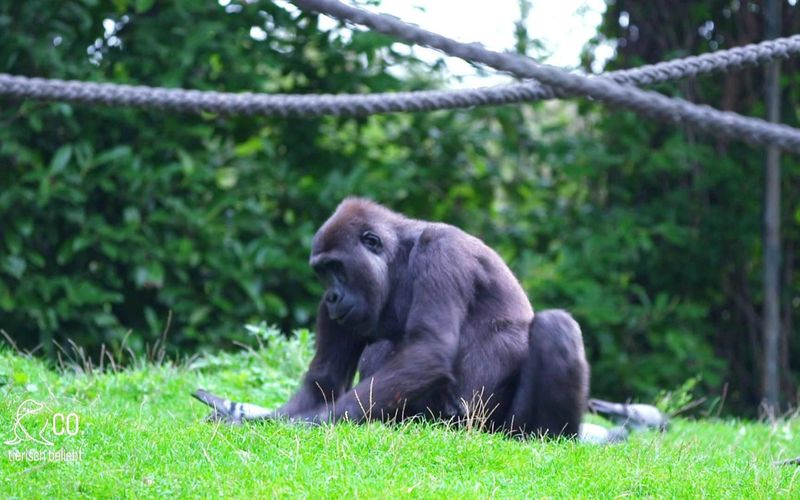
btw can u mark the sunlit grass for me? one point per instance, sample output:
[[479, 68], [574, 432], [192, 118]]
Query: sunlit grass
[[141, 435]]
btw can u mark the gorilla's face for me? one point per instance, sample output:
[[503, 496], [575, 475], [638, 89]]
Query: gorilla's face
[[350, 255]]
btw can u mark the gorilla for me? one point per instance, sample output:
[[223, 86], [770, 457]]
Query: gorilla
[[436, 326]]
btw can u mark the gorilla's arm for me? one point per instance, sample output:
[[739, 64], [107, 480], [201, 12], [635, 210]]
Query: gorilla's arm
[[424, 360], [329, 375], [331, 371], [428, 349]]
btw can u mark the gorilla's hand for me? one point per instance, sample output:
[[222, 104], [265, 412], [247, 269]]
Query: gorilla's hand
[[231, 412]]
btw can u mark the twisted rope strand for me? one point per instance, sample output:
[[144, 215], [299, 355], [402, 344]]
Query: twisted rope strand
[[701, 117]]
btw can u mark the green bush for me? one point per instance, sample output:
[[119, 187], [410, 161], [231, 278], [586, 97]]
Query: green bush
[[119, 219]]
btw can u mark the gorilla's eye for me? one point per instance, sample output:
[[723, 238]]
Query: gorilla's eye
[[371, 241]]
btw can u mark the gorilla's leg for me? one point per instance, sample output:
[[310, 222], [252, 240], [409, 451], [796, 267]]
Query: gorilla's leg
[[553, 386], [375, 356]]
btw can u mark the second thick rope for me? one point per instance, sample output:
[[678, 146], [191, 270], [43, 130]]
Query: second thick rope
[[705, 118]]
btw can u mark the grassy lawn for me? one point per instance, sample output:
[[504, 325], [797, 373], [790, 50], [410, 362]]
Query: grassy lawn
[[141, 435]]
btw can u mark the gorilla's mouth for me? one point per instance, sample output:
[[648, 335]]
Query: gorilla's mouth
[[341, 318]]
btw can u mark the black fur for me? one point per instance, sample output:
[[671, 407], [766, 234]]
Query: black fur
[[437, 325]]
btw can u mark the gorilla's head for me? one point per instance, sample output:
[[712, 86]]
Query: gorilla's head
[[352, 254]]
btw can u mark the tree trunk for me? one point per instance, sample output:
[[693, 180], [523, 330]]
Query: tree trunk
[[772, 204]]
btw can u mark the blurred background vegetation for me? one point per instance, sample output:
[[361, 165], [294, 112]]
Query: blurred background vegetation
[[116, 221]]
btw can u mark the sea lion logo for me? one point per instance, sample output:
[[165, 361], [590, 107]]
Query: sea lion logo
[[26, 409]]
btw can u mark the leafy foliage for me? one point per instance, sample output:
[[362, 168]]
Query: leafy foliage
[[114, 217], [695, 203]]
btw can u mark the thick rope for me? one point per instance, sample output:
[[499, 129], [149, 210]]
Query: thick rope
[[705, 118], [605, 87], [20, 87]]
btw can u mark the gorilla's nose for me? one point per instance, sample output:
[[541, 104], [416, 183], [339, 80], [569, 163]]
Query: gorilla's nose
[[332, 297]]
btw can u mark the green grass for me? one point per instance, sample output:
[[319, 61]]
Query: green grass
[[141, 435]]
